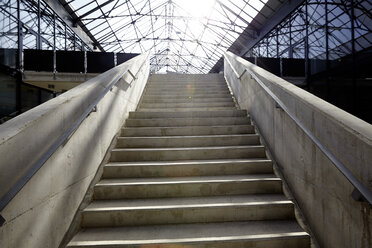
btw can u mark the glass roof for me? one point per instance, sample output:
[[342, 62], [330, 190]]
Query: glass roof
[[184, 36]]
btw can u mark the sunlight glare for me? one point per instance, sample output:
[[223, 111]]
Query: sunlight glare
[[197, 8]]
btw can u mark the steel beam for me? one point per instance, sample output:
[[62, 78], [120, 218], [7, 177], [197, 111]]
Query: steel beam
[[68, 17], [271, 23]]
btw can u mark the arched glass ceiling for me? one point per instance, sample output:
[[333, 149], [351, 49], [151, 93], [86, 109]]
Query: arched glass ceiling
[[185, 36]]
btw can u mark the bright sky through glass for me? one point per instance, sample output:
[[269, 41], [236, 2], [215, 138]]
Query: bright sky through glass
[[185, 36]]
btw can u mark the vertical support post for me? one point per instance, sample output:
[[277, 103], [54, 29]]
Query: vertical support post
[[85, 61], [354, 73], [307, 61], [74, 38], [65, 36], [54, 47], [328, 67], [38, 38], [19, 64], [290, 51], [277, 43]]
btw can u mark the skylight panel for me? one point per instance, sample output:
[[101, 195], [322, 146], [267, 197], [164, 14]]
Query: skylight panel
[[192, 34]]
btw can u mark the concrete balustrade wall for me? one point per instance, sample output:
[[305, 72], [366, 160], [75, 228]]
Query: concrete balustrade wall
[[43, 210], [322, 192]]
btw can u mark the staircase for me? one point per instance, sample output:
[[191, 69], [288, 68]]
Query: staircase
[[189, 170]]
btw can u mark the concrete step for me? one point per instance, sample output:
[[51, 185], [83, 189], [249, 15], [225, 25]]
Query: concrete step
[[258, 234], [188, 141], [201, 94], [189, 83], [185, 100], [186, 153], [187, 168], [173, 82], [177, 114], [187, 210], [210, 77], [187, 91], [198, 121], [187, 105], [185, 87], [185, 109], [188, 130], [186, 96], [137, 188]]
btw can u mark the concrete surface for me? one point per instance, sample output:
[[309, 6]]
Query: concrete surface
[[258, 234], [187, 210], [321, 190], [62, 82], [187, 168], [192, 171], [41, 213]]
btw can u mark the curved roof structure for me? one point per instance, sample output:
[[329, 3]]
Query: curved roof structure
[[184, 36]]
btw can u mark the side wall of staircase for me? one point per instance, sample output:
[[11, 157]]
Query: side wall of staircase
[[41, 213], [323, 193]]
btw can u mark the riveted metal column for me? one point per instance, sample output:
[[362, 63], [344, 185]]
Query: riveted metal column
[[19, 63], [290, 51], [307, 61], [328, 67], [38, 38], [54, 47], [277, 42], [65, 36], [354, 68]]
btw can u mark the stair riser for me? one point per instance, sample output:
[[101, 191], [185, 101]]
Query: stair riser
[[185, 109], [177, 122], [186, 87], [191, 130], [125, 155], [188, 96], [185, 84], [214, 94], [182, 170], [188, 100], [187, 141], [187, 215], [282, 242], [229, 113], [186, 91], [187, 105], [187, 189]]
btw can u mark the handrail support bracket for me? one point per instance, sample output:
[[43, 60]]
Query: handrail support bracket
[[241, 75], [131, 73]]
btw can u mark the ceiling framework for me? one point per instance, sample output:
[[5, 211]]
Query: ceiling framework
[[41, 28], [183, 36], [325, 30]]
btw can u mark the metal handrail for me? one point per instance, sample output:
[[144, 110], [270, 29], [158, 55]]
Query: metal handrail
[[5, 199], [360, 188]]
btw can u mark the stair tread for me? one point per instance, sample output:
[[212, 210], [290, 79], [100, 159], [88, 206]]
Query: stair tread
[[187, 162], [184, 180], [192, 113], [187, 148], [218, 126], [182, 109], [188, 202], [189, 233], [192, 118], [190, 136]]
